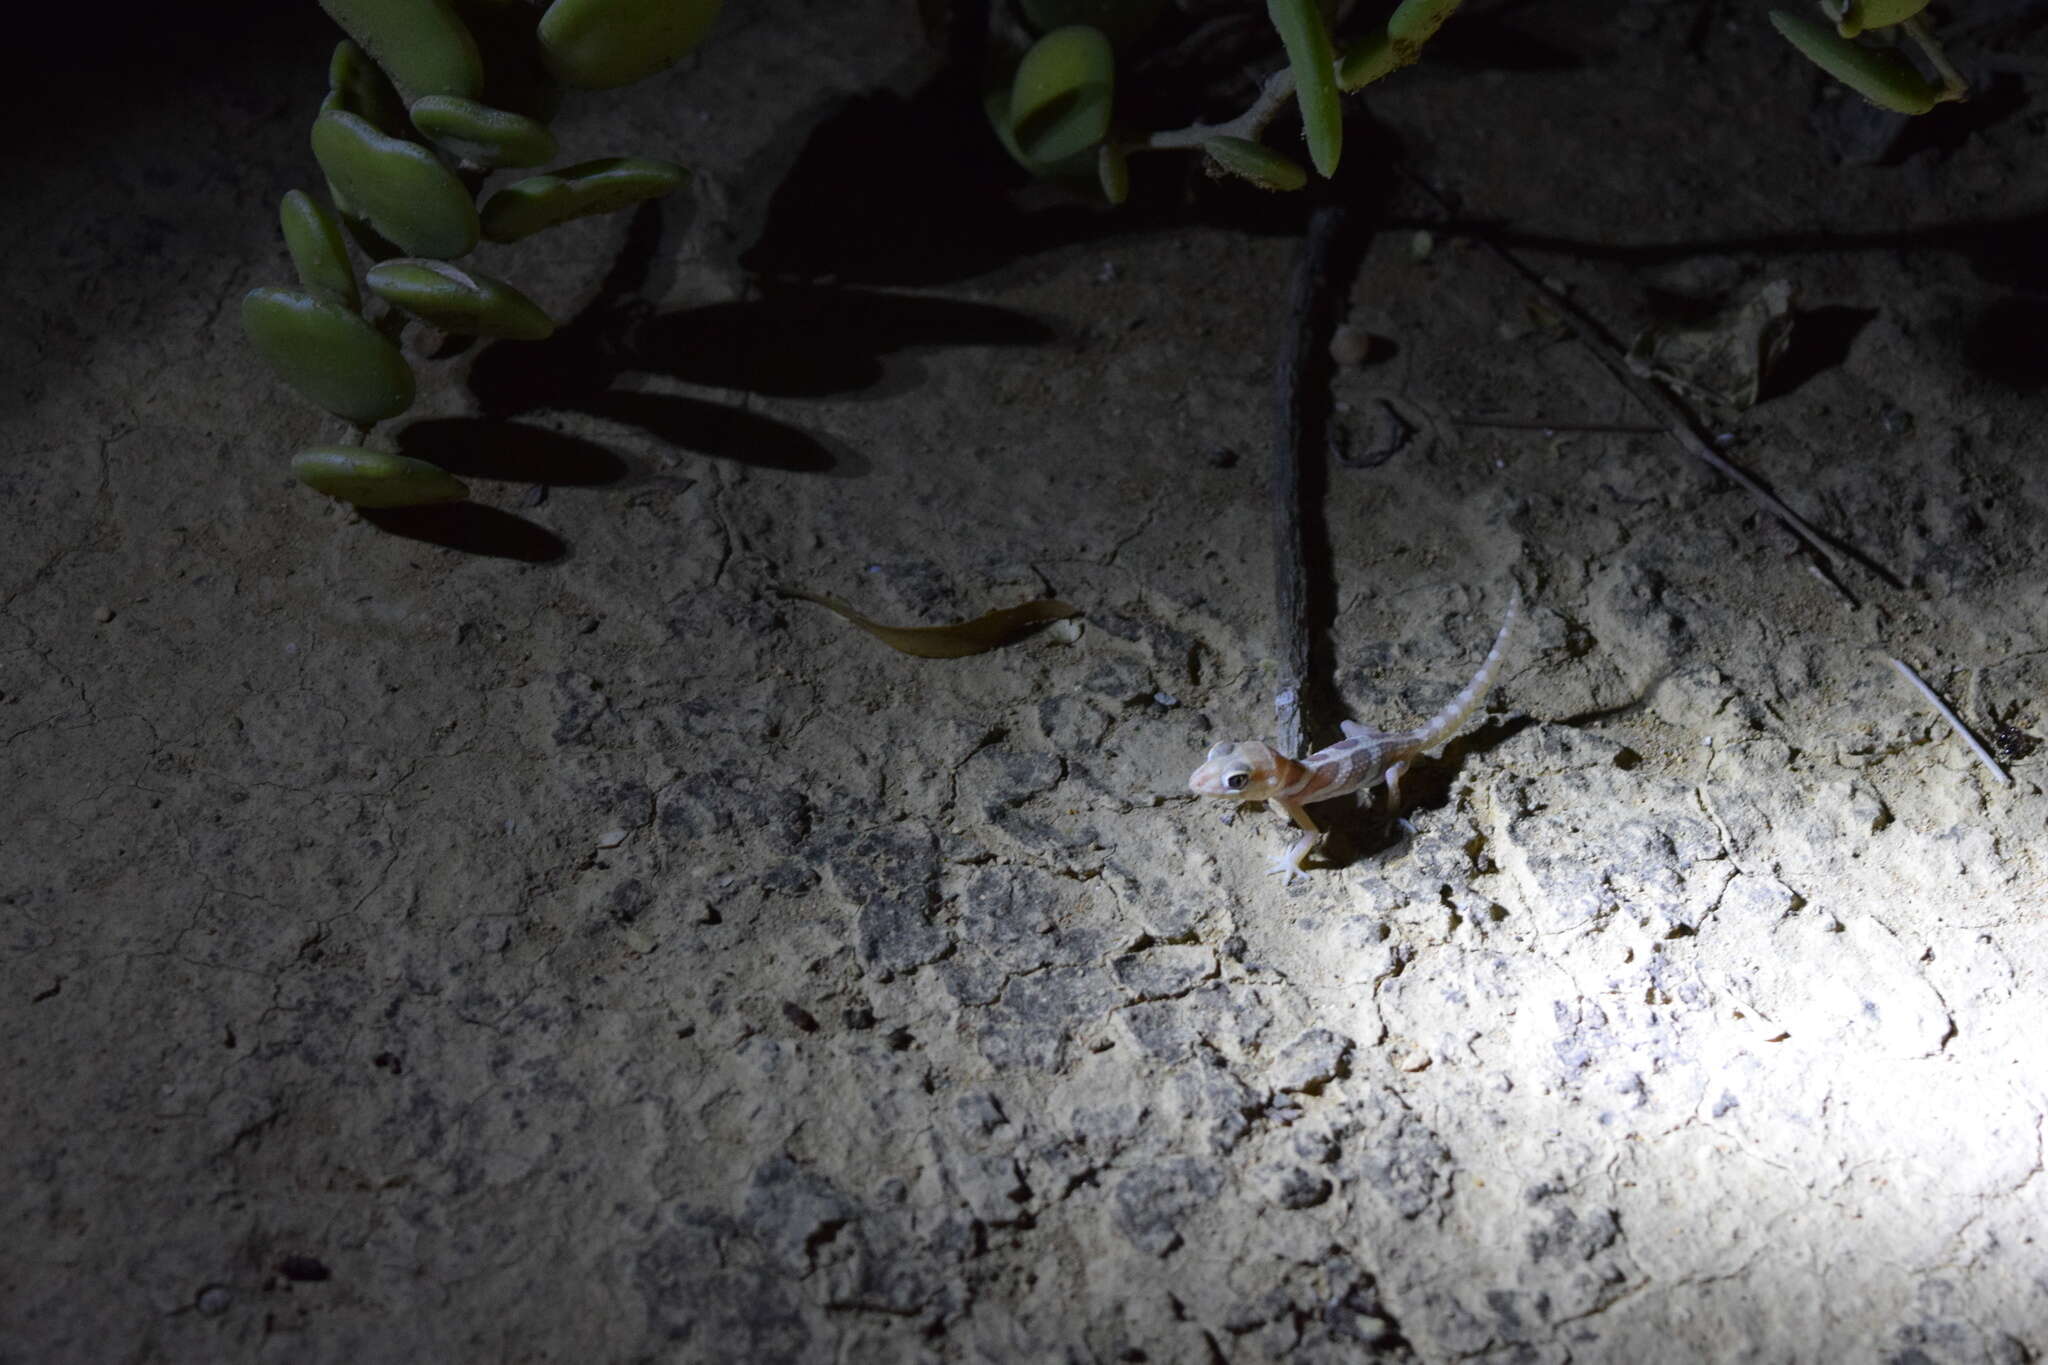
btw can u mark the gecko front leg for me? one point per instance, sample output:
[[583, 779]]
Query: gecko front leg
[[1289, 865]]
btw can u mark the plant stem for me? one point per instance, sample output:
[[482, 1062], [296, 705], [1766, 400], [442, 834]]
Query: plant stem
[[1278, 89]]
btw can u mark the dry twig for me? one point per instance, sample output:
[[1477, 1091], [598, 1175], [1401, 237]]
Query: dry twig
[[1677, 421], [1955, 722], [1295, 387]]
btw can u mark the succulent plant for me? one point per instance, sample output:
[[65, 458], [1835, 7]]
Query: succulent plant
[[1056, 114], [1879, 74], [1053, 107], [426, 100]]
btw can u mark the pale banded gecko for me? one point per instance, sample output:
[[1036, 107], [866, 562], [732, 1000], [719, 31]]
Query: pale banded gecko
[[1252, 771]]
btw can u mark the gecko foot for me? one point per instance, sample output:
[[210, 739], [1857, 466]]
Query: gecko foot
[[1287, 866]]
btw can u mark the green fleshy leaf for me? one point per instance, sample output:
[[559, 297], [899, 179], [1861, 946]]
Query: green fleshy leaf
[[400, 188], [1415, 22], [598, 44], [541, 201], [320, 255], [356, 85], [1365, 61], [367, 239], [996, 104], [458, 300], [1307, 40], [371, 478], [1854, 16], [328, 353], [421, 44], [1259, 164], [1060, 98], [1886, 79], [481, 135], [1113, 172]]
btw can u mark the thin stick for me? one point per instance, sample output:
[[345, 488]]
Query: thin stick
[[1560, 428], [1955, 722], [1678, 423]]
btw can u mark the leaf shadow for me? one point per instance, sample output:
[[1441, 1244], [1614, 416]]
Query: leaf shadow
[[788, 341], [515, 452], [472, 528], [819, 341]]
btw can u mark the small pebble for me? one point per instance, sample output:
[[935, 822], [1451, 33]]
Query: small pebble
[[1349, 346], [1165, 699], [1411, 1059], [1065, 632], [1421, 244], [103, 615], [212, 1301]]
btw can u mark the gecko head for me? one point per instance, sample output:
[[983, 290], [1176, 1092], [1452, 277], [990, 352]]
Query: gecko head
[[1245, 771]]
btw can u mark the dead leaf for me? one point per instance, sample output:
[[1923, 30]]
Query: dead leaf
[[1726, 360], [956, 641]]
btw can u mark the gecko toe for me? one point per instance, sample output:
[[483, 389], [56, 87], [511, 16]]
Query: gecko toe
[[1284, 867]]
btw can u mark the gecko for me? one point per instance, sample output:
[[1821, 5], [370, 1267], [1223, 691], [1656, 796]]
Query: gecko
[[1253, 771]]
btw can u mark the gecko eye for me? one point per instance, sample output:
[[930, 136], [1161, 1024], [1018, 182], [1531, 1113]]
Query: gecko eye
[[1217, 751], [1235, 782]]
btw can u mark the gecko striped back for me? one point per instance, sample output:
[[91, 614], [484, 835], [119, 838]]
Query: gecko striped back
[[1342, 768]]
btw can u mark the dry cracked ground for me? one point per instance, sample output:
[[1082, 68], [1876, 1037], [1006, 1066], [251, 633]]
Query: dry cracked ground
[[526, 936]]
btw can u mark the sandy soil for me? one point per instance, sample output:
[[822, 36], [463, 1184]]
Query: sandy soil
[[523, 936]]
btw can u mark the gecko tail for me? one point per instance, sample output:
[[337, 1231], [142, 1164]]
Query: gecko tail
[[1446, 722]]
